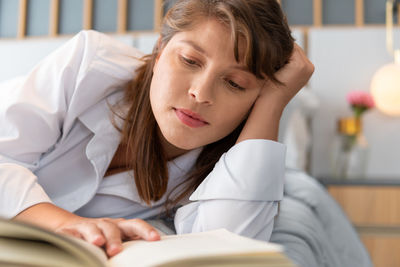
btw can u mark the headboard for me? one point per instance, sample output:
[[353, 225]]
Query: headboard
[[345, 58]]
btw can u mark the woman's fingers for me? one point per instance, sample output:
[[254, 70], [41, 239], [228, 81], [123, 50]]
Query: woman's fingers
[[138, 229], [301, 63], [109, 233], [294, 75], [112, 235], [90, 232], [305, 65], [298, 66]]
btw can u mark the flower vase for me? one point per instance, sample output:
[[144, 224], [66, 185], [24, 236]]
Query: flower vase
[[350, 153]]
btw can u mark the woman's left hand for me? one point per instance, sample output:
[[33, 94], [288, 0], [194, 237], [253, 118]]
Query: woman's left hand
[[263, 121], [294, 76]]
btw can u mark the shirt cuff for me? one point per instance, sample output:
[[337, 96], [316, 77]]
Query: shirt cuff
[[251, 170], [19, 190]]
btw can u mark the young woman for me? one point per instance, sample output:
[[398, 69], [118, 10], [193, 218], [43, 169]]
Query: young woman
[[97, 137]]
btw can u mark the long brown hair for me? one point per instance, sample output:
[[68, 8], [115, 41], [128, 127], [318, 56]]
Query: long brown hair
[[268, 45]]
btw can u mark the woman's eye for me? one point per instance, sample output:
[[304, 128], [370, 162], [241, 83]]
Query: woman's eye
[[235, 85], [189, 61]]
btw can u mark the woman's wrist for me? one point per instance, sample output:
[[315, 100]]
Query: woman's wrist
[[263, 121]]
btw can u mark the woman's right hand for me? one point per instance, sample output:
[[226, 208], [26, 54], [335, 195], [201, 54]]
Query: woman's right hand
[[103, 232], [108, 232]]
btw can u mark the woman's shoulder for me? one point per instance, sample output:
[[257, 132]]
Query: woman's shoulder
[[111, 41], [108, 54]]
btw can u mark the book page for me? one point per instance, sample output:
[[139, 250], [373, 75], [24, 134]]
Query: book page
[[30, 237], [98, 252], [20, 252], [176, 247]]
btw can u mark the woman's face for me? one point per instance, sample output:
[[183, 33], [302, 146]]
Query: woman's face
[[199, 93]]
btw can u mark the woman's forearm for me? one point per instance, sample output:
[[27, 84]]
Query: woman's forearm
[[263, 122], [46, 215]]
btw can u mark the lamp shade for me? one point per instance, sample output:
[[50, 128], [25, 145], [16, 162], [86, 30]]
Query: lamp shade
[[385, 89]]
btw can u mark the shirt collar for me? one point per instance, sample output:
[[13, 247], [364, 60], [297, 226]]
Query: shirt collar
[[186, 161], [106, 139]]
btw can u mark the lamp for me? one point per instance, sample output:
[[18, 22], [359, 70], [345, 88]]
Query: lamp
[[385, 84]]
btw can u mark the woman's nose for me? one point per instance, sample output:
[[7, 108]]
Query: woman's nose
[[202, 91]]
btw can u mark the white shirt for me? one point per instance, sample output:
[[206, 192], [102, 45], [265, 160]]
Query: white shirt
[[57, 140]]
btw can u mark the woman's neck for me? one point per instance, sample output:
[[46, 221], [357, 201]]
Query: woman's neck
[[170, 150], [119, 162]]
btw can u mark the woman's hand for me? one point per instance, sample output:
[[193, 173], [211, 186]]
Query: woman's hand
[[109, 233], [294, 76], [103, 232], [263, 121]]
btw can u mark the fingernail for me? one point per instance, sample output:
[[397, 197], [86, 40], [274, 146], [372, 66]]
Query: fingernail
[[114, 248], [98, 240], [153, 234]]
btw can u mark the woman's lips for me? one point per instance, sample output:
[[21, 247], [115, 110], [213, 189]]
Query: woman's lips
[[190, 118]]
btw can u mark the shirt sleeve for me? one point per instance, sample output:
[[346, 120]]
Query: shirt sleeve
[[32, 115], [241, 194]]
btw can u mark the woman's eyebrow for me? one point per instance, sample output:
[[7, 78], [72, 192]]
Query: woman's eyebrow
[[195, 46], [202, 51]]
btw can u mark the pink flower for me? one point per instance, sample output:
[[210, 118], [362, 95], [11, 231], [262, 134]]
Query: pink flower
[[360, 99]]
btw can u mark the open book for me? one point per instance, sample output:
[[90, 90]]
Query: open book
[[26, 245]]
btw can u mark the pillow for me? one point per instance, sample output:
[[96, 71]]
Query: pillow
[[294, 129]]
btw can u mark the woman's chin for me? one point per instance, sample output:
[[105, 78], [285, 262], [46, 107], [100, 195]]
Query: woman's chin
[[175, 146]]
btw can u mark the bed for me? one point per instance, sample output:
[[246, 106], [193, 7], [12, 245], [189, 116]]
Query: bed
[[311, 226]]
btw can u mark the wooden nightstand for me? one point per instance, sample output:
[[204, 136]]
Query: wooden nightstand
[[373, 206]]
